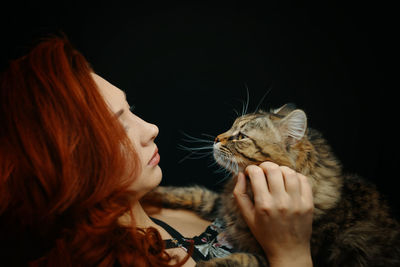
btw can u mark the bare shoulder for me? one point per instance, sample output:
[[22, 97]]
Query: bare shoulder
[[187, 222]]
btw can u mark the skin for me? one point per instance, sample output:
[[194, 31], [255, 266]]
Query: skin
[[282, 211], [282, 207]]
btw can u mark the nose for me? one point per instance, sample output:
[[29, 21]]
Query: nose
[[218, 138], [154, 130], [151, 133]]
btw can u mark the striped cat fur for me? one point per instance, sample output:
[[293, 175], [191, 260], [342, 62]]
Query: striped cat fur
[[352, 224]]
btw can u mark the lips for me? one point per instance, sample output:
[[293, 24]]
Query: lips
[[155, 159]]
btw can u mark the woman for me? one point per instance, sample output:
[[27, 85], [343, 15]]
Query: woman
[[74, 163]]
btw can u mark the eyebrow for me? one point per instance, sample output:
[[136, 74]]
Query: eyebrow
[[119, 113]]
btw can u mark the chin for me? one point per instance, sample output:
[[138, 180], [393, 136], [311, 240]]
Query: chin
[[147, 181], [158, 175], [154, 178]]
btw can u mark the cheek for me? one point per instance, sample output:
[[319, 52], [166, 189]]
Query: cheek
[[246, 153], [242, 148], [136, 144]]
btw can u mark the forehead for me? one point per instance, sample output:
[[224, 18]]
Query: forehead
[[113, 96], [246, 119], [242, 122]]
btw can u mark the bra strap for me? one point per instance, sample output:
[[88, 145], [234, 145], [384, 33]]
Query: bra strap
[[196, 255], [175, 234]]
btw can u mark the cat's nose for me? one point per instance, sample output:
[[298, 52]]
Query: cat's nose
[[216, 140]]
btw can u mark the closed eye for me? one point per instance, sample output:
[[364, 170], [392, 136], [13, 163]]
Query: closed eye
[[119, 113]]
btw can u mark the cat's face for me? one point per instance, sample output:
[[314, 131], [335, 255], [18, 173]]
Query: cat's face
[[262, 136]]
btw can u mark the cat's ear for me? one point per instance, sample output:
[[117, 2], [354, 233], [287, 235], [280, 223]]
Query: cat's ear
[[293, 126], [285, 109]]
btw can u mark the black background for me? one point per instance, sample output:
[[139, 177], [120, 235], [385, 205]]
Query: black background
[[185, 67]]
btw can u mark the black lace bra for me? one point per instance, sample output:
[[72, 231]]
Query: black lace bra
[[212, 243]]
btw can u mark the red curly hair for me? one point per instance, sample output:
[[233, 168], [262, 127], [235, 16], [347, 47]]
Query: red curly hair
[[63, 176]]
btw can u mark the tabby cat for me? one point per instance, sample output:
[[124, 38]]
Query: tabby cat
[[352, 225]]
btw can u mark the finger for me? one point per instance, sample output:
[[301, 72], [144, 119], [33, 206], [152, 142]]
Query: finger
[[243, 200], [305, 188], [258, 183], [274, 178], [291, 181]]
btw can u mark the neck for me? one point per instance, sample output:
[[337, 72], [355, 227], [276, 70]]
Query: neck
[[324, 172], [141, 219]]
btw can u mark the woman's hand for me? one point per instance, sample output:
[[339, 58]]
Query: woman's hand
[[280, 217]]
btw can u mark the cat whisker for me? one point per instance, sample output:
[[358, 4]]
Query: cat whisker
[[227, 162], [195, 148], [199, 157], [192, 139], [186, 157], [194, 155], [247, 100], [226, 177], [220, 170], [209, 135], [230, 169], [204, 150], [213, 162], [243, 108], [198, 141], [262, 99]]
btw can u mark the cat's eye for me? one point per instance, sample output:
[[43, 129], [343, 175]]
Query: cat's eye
[[241, 136]]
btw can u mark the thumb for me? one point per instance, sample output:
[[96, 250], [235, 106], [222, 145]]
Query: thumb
[[243, 200]]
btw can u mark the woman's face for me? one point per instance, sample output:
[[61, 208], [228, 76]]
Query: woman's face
[[141, 133]]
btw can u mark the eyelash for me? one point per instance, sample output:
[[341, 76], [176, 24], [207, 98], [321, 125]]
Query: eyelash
[[131, 108]]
